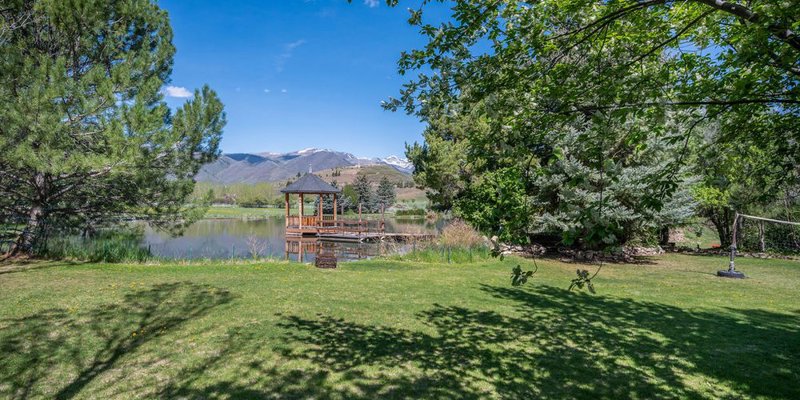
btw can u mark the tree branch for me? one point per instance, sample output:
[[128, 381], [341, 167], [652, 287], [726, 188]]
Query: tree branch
[[671, 39], [781, 32], [697, 103]]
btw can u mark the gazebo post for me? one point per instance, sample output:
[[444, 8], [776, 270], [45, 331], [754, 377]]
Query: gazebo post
[[287, 210], [301, 211], [319, 210], [334, 211]]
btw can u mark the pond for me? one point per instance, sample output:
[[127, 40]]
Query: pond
[[238, 238]]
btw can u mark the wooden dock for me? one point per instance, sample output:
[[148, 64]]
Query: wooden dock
[[371, 237]]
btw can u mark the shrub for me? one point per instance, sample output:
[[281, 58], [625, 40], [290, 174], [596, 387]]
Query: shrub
[[461, 235]]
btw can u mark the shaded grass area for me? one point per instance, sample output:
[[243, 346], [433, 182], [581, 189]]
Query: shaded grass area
[[398, 329]]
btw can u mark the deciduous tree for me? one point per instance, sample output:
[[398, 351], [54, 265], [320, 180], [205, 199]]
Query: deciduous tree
[[592, 88]]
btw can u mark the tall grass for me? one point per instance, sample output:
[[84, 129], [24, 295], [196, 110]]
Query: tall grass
[[107, 246], [458, 243], [433, 252]]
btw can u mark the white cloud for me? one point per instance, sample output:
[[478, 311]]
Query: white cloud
[[177, 91], [284, 90], [295, 44], [372, 3], [266, 90], [288, 50]]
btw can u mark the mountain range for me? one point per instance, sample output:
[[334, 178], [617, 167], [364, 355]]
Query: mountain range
[[273, 167]]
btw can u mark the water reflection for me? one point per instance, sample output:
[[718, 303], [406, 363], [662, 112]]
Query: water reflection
[[233, 238]]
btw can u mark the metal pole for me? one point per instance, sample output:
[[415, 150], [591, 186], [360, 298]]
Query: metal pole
[[732, 264], [731, 272]]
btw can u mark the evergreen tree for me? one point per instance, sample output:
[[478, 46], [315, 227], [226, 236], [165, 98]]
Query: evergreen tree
[[364, 194], [327, 201], [348, 198], [564, 183], [385, 194], [85, 134]]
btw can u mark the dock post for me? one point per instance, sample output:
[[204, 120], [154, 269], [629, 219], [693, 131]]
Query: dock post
[[383, 217]]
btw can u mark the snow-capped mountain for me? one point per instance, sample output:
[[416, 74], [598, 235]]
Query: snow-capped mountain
[[401, 164], [272, 167]]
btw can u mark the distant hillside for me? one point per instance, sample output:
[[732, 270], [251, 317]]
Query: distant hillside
[[274, 167], [374, 173]]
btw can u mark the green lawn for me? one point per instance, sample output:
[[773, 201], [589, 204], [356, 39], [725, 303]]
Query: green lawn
[[223, 212], [394, 329]]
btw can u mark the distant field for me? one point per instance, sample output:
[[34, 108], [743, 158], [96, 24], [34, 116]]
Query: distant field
[[408, 195], [220, 212], [374, 174], [223, 212]]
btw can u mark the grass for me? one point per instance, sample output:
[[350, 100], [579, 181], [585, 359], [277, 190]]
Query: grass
[[398, 329], [234, 212], [225, 212], [702, 237], [108, 246]]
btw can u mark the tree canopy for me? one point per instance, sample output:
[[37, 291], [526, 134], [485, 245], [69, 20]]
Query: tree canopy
[[85, 133], [597, 100]]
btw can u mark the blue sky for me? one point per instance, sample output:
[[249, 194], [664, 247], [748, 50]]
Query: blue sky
[[297, 73]]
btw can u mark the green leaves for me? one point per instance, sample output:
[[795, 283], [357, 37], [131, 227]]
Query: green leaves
[[84, 131], [520, 277], [617, 92], [583, 280]]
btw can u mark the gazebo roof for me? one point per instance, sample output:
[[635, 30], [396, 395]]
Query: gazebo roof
[[310, 183]]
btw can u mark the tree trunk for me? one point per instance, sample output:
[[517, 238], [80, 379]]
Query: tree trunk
[[663, 236], [26, 240], [762, 246], [722, 222]]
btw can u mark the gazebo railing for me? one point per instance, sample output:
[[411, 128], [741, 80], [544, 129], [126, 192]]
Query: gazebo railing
[[329, 225], [294, 220]]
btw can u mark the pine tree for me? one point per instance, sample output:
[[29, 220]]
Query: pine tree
[[85, 134], [385, 194], [364, 194]]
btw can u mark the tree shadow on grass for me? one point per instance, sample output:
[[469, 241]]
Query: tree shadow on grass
[[557, 344], [91, 342], [15, 266]]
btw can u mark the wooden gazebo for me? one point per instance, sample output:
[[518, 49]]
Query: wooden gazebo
[[310, 184]]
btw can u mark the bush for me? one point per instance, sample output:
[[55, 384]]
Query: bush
[[461, 235]]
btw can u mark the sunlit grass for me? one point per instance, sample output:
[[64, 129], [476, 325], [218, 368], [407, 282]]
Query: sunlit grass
[[666, 328]]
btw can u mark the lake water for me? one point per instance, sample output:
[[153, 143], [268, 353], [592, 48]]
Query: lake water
[[236, 238]]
